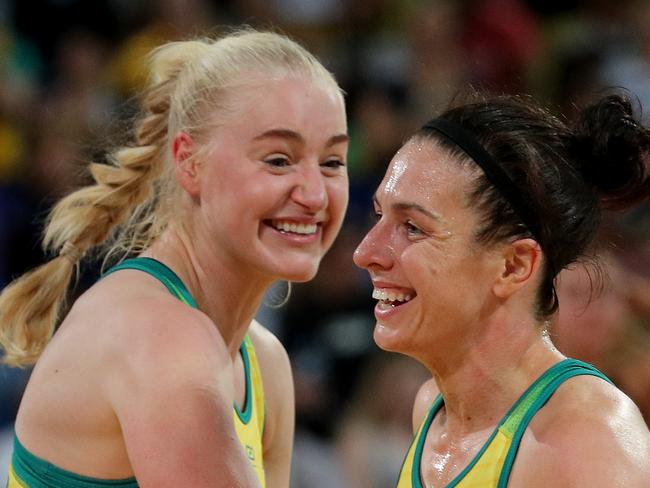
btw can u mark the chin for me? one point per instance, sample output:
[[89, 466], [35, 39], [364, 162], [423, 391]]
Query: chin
[[386, 338], [301, 276], [289, 267], [294, 270]]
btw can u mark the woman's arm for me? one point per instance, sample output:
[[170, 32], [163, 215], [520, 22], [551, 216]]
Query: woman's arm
[[172, 390]]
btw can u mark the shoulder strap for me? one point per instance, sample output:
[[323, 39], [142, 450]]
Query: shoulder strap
[[162, 273], [419, 440], [245, 351], [254, 381], [28, 470], [535, 398]]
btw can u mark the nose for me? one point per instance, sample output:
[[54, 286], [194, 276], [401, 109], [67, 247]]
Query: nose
[[375, 249], [310, 192]]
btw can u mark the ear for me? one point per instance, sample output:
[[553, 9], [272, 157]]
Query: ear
[[187, 173], [521, 260]]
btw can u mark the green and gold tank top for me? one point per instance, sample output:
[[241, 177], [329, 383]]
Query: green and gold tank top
[[29, 471], [491, 466]]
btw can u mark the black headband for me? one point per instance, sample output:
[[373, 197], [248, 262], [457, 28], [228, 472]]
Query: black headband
[[466, 141]]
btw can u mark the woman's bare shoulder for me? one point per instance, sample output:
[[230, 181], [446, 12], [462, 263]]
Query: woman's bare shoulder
[[137, 324], [122, 337], [267, 346], [588, 434]]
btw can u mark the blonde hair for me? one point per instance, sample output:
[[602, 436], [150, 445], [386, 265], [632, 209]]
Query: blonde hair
[[131, 201]]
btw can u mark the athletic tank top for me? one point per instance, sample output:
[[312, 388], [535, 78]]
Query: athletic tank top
[[491, 466], [29, 471]]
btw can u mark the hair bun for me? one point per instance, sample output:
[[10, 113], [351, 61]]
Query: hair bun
[[610, 146]]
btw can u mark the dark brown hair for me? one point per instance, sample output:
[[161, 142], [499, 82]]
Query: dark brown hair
[[567, 172]]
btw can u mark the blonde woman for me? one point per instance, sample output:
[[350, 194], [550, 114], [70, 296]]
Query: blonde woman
[[159, 376]]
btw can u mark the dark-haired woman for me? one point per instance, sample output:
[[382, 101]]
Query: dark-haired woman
[[477, 214]]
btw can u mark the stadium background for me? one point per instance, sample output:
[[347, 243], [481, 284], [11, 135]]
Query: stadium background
[[69, 70]]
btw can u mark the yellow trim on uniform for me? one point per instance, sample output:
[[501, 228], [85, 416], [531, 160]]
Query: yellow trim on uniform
[[14, 481], [491, 466], [249, 423]]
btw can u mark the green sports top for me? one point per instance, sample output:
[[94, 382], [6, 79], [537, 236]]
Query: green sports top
[[491, 466], [29, 471]]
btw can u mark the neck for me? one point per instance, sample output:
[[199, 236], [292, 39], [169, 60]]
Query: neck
[[224, 291], [489, 372]]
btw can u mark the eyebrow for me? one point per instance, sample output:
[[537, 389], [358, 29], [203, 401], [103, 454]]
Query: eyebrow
[[411, 206], [295, 136]]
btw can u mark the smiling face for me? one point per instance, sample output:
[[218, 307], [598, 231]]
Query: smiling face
[[273, 187], [432, 279]]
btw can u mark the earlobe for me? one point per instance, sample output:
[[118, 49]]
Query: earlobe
[[185, 164], [521, 260]]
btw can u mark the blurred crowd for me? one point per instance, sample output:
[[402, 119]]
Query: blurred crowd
[[69, 71]]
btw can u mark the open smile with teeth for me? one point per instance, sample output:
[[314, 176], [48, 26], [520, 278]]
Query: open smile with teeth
[[392, 298], [293, 227]]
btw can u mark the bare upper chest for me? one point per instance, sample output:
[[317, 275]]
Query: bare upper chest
[[443, 458]]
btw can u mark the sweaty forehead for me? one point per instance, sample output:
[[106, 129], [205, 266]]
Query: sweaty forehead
[[420, 168]]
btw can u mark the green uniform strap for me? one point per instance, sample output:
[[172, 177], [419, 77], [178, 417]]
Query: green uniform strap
[[162, 273], [38, 473], [554, 377], [246, 411], [416, 480], [514, 423]]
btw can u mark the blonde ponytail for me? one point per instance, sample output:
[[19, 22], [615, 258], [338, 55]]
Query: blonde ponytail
[[121, 202], [29, 309]]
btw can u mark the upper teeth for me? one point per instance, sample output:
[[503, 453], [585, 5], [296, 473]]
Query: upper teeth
[[295, 228], [390, 296]]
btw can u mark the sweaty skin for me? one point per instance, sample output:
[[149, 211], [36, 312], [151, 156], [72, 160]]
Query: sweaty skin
[[423, 246]]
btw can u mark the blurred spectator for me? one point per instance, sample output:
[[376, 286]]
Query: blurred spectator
[[377, 428], [78, 102], [46, 22], [502, 40], [163, 20], [438, 67], [328, 334], [591, 320], [609, 325], [377, 129], [627, 63]]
